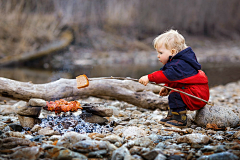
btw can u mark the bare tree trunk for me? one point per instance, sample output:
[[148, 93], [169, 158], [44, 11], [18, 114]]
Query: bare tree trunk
[[123, 90]]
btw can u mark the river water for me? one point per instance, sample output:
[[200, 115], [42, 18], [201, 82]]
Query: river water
[[218, 73]]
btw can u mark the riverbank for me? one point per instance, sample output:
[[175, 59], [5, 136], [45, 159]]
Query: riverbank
[[137, 135]]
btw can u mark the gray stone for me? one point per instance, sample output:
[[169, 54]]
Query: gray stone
[[35, 102], [221, 116], [161, 145], [115, 110], [95, 119], [193, 138], [56, 152], [90, 146], [100, 111], [160, 157], [133, 131], [20, 104], [15, 134], [97, 154], [12, 142], [151, 155], [46, 132], [219, 156], [70, 138], [143, 142], [16, 127], [135, 150], [28, 111], [55, 138], [236, 135], [36, 128], [121, 153], [113, 139], [27, 153], [27, 121]]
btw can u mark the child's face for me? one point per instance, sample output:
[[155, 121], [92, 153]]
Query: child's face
[[163, 54]]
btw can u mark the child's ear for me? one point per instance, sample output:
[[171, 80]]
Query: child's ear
[[174, 51]]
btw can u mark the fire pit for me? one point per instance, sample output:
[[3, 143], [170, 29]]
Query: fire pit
[[67, 117], [90, 118], [70, 122]]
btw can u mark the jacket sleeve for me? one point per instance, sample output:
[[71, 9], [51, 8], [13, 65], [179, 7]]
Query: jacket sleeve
[[158, 77]]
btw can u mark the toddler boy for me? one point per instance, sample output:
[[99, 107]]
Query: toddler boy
[[182, 71]]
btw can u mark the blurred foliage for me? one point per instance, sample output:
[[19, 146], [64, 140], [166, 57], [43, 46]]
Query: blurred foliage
[[111, 24]]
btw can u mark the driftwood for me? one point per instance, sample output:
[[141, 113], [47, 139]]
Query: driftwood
[[64, 40], [122, 90]]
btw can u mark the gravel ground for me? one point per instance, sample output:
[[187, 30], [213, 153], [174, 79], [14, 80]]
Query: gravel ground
[[136, 134]]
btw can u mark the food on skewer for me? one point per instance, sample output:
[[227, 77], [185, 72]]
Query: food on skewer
[[62, 106]]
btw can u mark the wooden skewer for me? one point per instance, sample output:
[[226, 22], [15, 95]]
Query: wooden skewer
[[136, 80]]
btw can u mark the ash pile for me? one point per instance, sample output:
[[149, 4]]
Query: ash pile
[[60, 116]]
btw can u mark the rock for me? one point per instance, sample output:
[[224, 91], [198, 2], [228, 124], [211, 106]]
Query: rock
[[160, 157], [46, 132], [70, 138], [35, 102], [55, 138], [133, 131], [20, 104], [143, 142], [28, 121], [151, 155], [96, 135], [193, 138], [121, 153], [136, 112], [175, 157], [90, 146], [95, 119], [28, 111], [38, 138], [12, 142], [161, 145], [219, 156], [113, 139], [157, 118], [27, 153], [135, 150], [236, 135], [115, 110], [99, 110], [221, 116], [36, 128], [15, 134], [27, 136], [56, 152], [98, 154], [16, 127]]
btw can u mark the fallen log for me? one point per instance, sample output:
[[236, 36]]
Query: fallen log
[[122, 90]]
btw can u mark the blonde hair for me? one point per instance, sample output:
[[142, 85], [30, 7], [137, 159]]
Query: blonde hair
[[171, 40]]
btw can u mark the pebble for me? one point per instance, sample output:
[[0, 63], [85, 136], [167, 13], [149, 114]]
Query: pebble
[[193, 138]]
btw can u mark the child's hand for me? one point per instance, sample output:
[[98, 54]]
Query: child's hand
[[144, 80], [164, 92]]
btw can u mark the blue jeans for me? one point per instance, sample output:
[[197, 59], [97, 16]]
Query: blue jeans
[[176, 103]]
